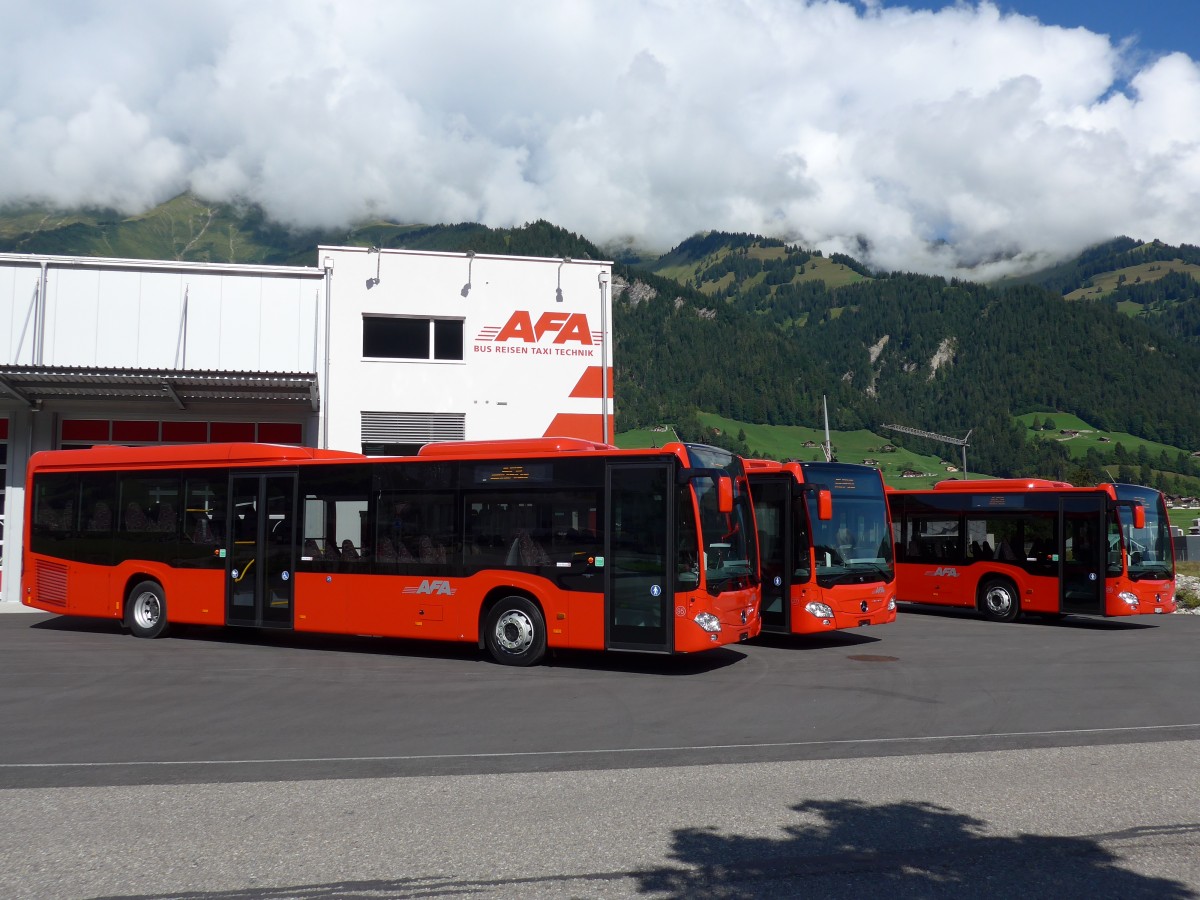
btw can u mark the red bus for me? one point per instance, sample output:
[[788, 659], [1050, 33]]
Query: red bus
[[1007, 546], [825, 545], [517, 546]]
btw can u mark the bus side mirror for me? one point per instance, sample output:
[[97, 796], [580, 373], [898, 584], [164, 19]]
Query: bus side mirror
[[1139, 516], [824, 505], [724, 494]]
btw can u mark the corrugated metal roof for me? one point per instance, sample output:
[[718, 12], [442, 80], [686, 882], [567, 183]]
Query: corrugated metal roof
[[31, 384]]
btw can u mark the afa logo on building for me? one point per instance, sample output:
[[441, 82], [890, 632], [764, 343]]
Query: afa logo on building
[[551, 328]]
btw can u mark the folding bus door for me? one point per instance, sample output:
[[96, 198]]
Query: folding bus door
[[639, 568], [260, 550], [1082, 556], [772, 512]]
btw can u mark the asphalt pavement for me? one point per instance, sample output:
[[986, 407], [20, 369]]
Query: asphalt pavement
[[942, 756]]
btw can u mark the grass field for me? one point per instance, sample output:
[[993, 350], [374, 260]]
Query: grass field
[[796, 442], [1089, 436], [818, 268], [799, 442], [1105, 284]]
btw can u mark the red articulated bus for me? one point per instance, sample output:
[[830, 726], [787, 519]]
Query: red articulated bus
[[825, 545], [517, 546], [1007, 546]]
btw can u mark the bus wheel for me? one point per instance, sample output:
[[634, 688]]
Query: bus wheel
[[999, 600], [515, 633], [146, 610]]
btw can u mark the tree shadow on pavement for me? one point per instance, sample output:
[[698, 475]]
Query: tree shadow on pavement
[[845, 849], [853, 849]]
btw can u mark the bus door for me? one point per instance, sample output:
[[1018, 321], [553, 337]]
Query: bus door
[[1081, 553], [639, 567], [260, 550], [772, 513]]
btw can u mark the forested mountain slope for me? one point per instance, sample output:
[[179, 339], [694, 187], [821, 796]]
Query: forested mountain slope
[[760, 331]]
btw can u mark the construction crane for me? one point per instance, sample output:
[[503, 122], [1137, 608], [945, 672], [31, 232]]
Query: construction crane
[[958, 442]]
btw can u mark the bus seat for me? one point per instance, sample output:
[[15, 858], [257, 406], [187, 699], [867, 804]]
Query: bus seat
[[348, 551], [167, 520], [135, 518], [101, 519], [525, 551], [429, 552], [532, 553], [201, 533], [385, 551]]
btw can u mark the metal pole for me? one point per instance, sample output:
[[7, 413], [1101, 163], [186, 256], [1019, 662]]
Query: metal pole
[[602, 280], [325, 387]]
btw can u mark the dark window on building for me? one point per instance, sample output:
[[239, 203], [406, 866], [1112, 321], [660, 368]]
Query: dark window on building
[[447, 339], [387, 337]]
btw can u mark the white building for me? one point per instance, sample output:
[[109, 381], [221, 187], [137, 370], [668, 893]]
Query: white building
[[372, 351]]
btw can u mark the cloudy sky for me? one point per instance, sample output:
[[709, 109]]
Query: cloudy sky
[[927, 136]]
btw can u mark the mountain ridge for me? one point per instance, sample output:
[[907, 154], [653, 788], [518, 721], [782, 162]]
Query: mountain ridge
[[758, 330]]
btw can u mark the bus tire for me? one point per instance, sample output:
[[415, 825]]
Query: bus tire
[[515, 632], [998, 600], [146, 610]]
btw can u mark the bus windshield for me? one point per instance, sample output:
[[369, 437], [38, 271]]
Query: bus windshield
[[856, 544], [1148, 551], [730, 543]]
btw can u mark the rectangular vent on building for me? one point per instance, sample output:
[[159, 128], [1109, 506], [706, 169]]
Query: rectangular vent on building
[[412, 428]]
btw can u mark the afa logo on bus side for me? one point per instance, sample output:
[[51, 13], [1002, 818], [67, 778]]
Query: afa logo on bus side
[[431, 586], [552, 334]]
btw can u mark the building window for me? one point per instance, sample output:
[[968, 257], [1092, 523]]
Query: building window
[[77, 433], [392, 337]]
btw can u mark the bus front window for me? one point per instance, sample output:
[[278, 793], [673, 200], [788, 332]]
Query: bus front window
[[728, 538], [855, 543], [1147, 551]]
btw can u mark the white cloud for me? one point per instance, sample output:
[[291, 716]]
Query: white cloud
[[936, 140]]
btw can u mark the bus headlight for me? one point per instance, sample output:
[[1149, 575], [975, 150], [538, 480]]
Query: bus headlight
[[820, 610], [891, 604], [1130, 599], [708, 622]]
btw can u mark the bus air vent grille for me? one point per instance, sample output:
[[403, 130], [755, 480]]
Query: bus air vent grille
[[52, 583]]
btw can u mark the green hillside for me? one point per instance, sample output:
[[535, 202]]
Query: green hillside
[[746, 334], [185, 228], [1119, 455], [1105, 284], [1155, 282], [1079, 437], [719, 264], [189, 228], [793, 442]]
